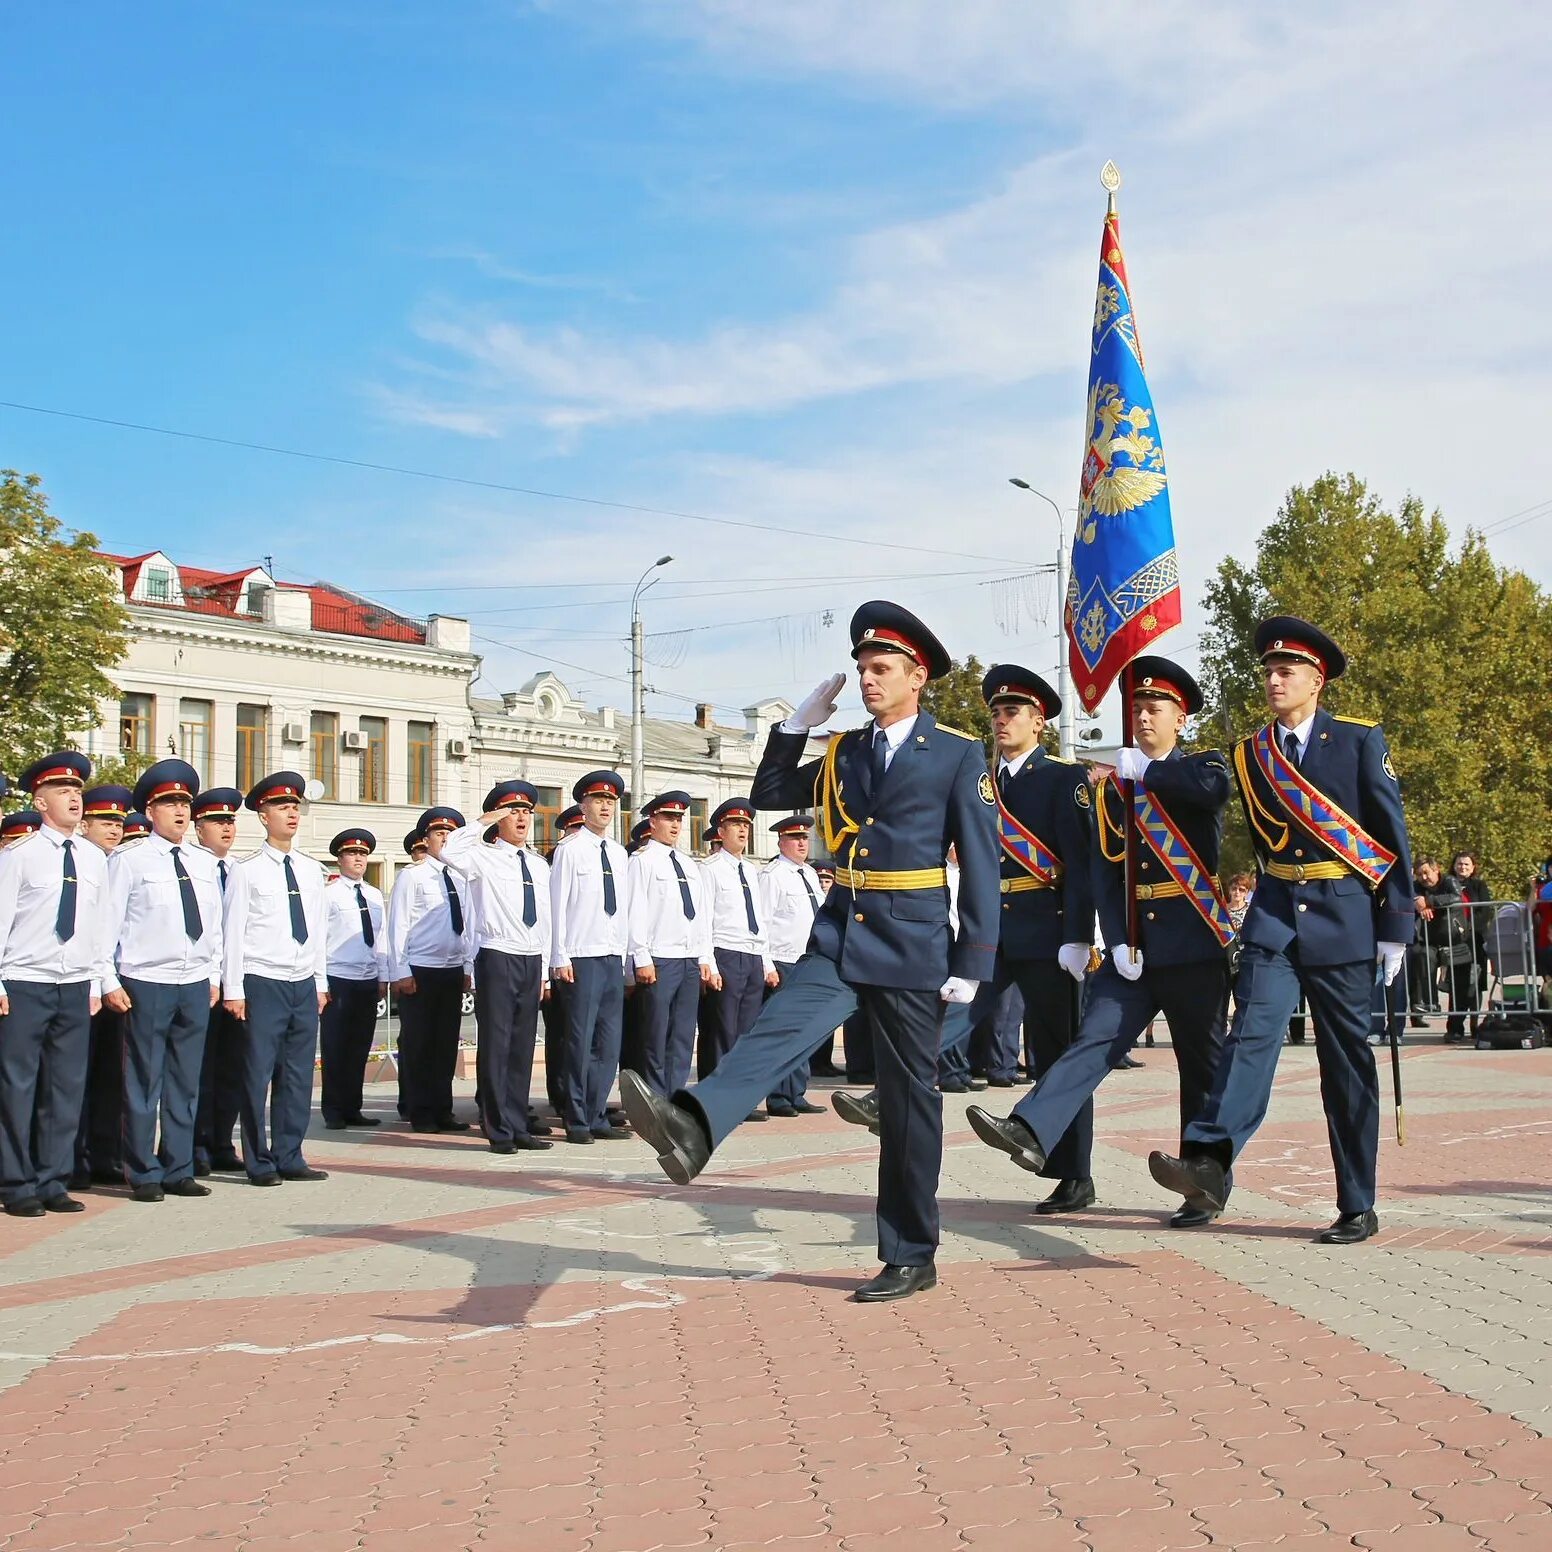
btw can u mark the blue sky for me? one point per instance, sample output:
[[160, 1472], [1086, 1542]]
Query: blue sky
[[823, 266]]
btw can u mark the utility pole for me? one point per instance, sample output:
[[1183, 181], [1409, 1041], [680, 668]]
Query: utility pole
[[1065, 723], [638, 698]]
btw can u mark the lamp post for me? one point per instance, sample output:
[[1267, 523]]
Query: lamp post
[[1064, 726], [638, 710]]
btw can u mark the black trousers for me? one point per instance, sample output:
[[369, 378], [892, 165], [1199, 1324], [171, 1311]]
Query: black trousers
[[282, 1040], [666, 1014], [99, 1140], [552, 1013], [164, 1044], [731, 1012], [345, 1039], [428, 1042], [43, 1043], [507, 988], [220, 1088], [857, 1037]]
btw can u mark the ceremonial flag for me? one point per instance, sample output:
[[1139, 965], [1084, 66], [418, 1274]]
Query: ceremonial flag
[[1124, 590]]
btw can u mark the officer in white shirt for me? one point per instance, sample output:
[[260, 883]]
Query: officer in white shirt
[[590, 918], [53, 953], [164, 915], [221, 1070], [789, 896], [670, 944], [276, 981], [552, 1011], [358, 977], [510, 884], [743, 957], [431, 964]]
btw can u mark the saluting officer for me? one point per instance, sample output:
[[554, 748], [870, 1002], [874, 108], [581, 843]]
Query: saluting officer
[[1334, 898], [510, 884], [1180, 965], [221, 1066], [894, 796], [53, 957], [276, 981], [789, 898], [358, 977]]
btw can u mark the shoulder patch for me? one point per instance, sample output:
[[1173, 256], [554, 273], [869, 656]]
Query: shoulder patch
[[1080, 795], [1356, 721], [1389, 769], [943, 727], [987, 791]]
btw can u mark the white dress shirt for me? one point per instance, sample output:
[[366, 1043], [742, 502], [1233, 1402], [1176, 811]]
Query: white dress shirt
[[1301, 733], [145, 916], [659, 929], [494, 874], [420, 921], [788, 908], [894, 736], [257, 926], [726, 876], [580, 926], [1017, 763], [32, 875], [350, 956]]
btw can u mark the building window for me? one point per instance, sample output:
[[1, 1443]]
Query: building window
[[325, 742], [195, 720], [421, 737], [158, 588], [252, 744], [546, 811], [374, 760], [135, 730], [697, 822]]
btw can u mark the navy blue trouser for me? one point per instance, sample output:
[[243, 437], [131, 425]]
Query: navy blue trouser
[[164, 1044], [345, 1030], [99, 1140], [220, 1087], [794, 1086], [1265, 995], [728, 1014], [595, 1003], [666, 1012], [43, 1042], [858, 1040], [429, 1021], [278, 1072], [507, 988], [552, 1014]]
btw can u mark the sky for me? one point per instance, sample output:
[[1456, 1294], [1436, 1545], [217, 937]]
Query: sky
[[810, 280]]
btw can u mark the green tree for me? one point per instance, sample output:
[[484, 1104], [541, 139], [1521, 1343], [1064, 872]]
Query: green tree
[[62, 625], [1448, 649], [955, 700]]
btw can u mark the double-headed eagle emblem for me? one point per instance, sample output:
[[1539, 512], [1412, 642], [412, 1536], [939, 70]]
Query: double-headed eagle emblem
[[1124, 466]]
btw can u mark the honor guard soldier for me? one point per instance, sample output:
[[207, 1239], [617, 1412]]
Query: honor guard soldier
[[99, 1153], [1180, 966], [276, 981], [1334, 898], [510, 885], [789, 898], [669, 946], [221, 1067], [431, 962], [53, 958], [19, 826], [165, 915], [358, 976], [590, 905], [892, 797]]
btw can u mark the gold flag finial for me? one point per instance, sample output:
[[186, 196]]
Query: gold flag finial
[[1110, 176]]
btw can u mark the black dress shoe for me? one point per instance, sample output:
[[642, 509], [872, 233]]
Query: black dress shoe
[[807, 1107], [615, 1115], [150, 1192], [1190, 1216], [201, 1168], [503, 1147], [579, 1135], [538, 1128], [953, 1086], [823, 1070], [188, 1186], [1069, 1197], [858, 1109], [531, 1144], [451, 1124], [424, 1126], [1011, 1137], [780, 1109], [1349, 1229], [978, 1085], [1003, 1083], [362, 1120], [897, 1282], [62, 1202], [335, 1126], [612, 1133], [1201, 1181], [81, 1180], [757, 1115], [270, 1179], [227, 1164], [25, 1207], [306, 1172], [1126, 1064], [676, 1136]]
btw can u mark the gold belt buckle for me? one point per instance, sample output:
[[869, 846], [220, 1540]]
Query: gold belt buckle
[[1006, 885], [859, 879], [1298, 873], [1145, 891]]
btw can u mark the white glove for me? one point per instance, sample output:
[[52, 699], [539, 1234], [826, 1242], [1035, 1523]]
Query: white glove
[[819, 707], [1074, 959], [957, 989], [1392, 956], [1130, 763], [1128, 961]]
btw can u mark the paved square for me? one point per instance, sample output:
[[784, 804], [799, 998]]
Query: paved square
[[438, 1348]]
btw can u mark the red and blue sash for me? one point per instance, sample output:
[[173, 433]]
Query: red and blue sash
[[1317, 815], [1025, 847], [1174, 852]]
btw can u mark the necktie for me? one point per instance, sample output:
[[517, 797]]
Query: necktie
[[191, 918], [750, 917], [530, 905], [609, 900], [684, 887], [1291, 748], [294, 898], [877, 764], [368, 936], [454, 904], [1002, 779], [813, 894], [221, 869], [64, 922]]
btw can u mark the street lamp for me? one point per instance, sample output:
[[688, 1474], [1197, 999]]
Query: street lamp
[[1064, 726], [638, 710]]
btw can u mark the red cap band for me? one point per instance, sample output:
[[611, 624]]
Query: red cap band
[[878, 636], [1153, 684], [1288, 647]]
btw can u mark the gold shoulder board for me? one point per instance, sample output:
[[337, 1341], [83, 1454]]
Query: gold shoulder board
[[943, 727], [1357, 721]]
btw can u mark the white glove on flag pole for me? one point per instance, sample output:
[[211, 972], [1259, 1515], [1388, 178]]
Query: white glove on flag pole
[[1390, 957]]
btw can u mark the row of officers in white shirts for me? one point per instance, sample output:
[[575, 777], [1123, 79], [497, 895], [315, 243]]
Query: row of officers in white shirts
[[155, 995]]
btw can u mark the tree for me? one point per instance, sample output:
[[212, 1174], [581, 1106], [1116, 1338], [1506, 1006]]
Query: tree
[[1446, 648], [955, 700], [62, 625]]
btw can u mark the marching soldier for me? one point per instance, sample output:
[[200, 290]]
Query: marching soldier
[[790, 895], [221, 1067], [894, 796], [358, 977], [1334, 899], [1180, 965]]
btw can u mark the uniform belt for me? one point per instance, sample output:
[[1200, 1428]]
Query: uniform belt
[[1017, 886], [878, 878], [1166, 891], [1305, 872]]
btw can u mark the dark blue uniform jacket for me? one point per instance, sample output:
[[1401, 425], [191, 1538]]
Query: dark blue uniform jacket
[[1051, 797]]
